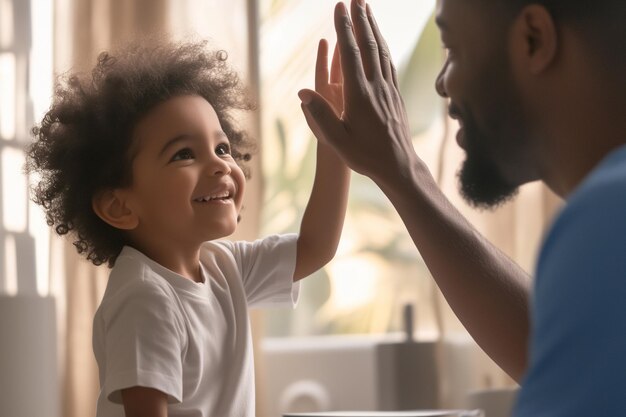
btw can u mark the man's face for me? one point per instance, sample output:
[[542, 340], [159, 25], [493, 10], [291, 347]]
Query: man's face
[[476, 77]]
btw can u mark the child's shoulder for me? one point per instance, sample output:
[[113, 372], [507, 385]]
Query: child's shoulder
[[221, 250], [136, 293], [135, 276]]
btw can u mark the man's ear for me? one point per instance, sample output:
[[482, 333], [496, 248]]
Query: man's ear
[[535, 38], [111, 206]]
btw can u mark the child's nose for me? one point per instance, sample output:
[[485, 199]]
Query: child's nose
[[218, 166]]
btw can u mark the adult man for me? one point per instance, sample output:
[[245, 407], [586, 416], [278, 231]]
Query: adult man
[[538, 89]]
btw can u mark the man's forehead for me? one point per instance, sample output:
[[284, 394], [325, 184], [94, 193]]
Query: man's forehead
[[453, 15], [444, 12]]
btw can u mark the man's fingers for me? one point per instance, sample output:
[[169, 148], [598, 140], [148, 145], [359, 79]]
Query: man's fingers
[[352, 67], [321, 117], [365, 39], [321, 65], [383, 51]]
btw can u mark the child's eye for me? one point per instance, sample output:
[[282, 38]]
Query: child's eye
[[223, 149], [183, 154]]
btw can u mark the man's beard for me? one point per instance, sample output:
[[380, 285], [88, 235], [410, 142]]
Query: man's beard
[[482, 184]]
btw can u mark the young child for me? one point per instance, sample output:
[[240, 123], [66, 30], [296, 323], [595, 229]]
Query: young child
[[142, 163]]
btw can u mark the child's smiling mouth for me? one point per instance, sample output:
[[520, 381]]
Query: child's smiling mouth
[[223, 196]]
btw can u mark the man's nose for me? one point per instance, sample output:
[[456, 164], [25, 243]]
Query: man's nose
[[439, 84]]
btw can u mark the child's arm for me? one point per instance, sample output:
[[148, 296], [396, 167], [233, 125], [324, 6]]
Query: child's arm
[[144, 402], [322, 222]]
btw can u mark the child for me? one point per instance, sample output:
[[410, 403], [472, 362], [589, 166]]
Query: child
[[140, 162]]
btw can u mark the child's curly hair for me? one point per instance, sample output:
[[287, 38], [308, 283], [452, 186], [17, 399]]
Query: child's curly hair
[[83, 144]]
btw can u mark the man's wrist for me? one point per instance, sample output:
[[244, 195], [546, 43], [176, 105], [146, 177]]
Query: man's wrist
[[413, 180]]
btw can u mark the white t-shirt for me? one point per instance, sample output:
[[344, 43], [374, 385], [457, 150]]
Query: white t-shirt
[[157, 329]]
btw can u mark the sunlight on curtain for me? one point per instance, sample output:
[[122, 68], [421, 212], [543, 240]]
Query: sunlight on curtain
[[25, 87], [27, 320]]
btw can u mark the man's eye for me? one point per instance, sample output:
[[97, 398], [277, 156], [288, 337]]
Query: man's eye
[[223, 149], [183, 154]]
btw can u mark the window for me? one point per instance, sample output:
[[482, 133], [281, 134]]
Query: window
[[25, 86]]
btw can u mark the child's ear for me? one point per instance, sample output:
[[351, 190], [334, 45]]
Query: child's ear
[[111, 206]]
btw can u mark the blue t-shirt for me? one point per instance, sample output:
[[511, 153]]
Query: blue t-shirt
[[578, 343]]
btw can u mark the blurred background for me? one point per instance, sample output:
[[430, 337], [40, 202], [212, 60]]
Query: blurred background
[[48, 295]]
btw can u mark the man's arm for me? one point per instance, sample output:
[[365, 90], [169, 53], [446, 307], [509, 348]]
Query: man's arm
[[487, 291], [144, 402], [323, 217]]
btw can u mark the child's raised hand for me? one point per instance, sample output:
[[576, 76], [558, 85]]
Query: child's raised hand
[[329, 85], [323, 217]]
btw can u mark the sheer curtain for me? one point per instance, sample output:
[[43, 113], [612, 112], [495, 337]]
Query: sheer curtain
[[84, 28]]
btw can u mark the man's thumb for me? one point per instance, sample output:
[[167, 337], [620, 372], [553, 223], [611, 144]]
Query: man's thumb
[[321, 117]]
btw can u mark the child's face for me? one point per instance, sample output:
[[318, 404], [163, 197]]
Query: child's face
[[186, 188]]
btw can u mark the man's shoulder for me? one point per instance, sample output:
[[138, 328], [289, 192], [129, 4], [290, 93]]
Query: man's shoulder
[[607, 181], [601, 197], [588, 236]]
